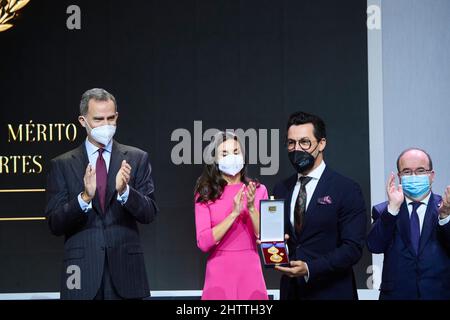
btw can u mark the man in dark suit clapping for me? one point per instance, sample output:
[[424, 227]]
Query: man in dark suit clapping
[[96, 195], [412, 230]]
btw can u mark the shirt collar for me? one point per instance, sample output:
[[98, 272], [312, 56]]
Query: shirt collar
[[317, 172], [91, 148], [424, 201]]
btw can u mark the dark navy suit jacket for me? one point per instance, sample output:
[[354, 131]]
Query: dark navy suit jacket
[[332, 238], [88, 236], [405, 274]]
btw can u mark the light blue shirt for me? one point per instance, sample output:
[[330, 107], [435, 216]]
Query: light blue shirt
[[92, 152]]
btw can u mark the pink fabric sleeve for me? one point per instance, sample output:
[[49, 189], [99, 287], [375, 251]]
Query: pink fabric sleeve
[[261, 195], [205, 239]]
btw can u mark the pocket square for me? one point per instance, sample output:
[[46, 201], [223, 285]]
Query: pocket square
[[325, 200]]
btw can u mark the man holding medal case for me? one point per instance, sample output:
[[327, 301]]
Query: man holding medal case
[[324, 219]]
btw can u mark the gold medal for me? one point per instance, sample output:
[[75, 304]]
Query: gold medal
[[273, 250], [276, 258]]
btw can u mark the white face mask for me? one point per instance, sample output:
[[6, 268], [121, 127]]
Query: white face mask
[[231, 164], [102, 134]]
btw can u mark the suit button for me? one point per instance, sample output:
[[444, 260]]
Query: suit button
[[102, 248]]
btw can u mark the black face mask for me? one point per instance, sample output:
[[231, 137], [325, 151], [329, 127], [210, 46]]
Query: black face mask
[[302, 161]]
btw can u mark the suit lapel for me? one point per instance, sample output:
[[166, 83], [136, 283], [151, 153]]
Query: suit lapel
[[290, 185], [428, 222], [81, 161], [117, 156], [79, 167], [320, 190]]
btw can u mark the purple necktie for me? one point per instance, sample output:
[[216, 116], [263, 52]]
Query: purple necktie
[[415, 227], [102, 177]]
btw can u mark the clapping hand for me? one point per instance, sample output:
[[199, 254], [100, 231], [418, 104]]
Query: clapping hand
[[251, 192], [394, 193], [444, 209], [90, 184], [237, 202], [123, 177]]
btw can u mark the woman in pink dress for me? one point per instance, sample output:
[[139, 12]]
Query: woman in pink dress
[[227, 223]]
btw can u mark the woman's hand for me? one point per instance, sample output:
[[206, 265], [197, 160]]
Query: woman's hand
[[237, 202], [251, 192], [222, 228]]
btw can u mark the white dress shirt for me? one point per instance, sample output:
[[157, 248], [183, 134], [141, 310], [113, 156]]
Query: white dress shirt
[[420, 211], [92, 152], [310, 187]]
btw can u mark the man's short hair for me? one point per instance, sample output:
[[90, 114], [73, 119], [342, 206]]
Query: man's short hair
[[430, 162], [97, 94], [298, 118]]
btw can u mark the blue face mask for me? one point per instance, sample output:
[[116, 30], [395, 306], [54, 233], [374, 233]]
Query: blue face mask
[[415, 187]]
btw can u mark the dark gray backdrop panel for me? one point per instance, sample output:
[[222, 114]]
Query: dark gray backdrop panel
[[231, 64]]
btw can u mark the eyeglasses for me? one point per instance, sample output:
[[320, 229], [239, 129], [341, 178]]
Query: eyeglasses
[[304, 144], [417, 172]]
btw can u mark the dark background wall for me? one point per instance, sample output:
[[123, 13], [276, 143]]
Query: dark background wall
[[231, 64]]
